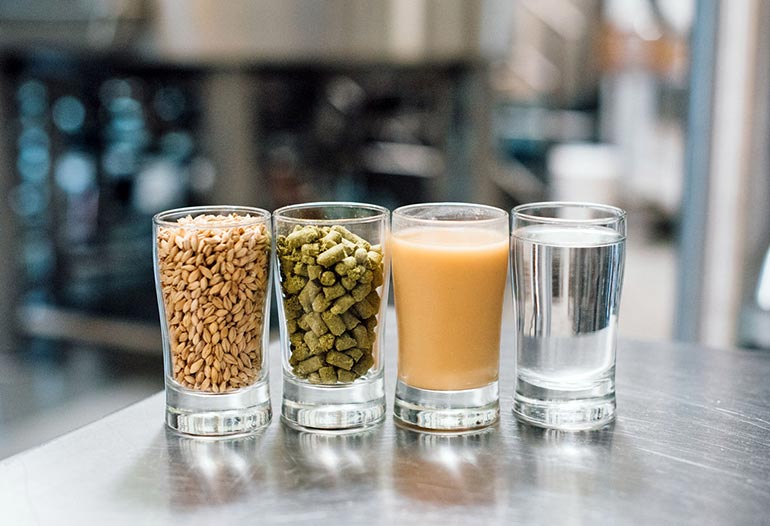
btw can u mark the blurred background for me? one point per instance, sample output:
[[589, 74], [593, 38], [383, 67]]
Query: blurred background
[[112, 110]]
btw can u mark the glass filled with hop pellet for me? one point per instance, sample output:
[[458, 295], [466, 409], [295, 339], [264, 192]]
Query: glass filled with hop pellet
[[331, 270], [213, 276]]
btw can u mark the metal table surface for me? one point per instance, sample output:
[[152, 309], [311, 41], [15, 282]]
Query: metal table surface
[[691, 445]]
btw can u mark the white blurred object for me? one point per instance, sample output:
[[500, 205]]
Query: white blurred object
[[633, 17], [552, 55], [75, 172], [678, 14], [159, 186], [584, 172], [763, 286], [390, 30]]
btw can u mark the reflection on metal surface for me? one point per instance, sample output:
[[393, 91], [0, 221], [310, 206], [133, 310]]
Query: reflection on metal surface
[[340, 461], [212, 471], [567, 461], [452, 470]]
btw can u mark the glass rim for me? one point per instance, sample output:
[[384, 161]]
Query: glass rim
[[255, 216], [379, 212], [614, 214], [400, 213]]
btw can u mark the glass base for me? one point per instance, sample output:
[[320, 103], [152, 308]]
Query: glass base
[[566, 410], [212, 414], [334, 408], [446, 410]]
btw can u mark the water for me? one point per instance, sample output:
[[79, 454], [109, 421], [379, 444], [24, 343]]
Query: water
[[566, 284]]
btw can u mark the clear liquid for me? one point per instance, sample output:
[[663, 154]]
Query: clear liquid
[[566, 283]]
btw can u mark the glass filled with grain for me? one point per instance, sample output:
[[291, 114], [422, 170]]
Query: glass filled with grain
[[331, 270], [212, 275]]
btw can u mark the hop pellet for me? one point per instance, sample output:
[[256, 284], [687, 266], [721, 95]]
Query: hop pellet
[[329, 283]]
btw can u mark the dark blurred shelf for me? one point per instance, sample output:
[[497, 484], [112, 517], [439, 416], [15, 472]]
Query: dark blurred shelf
[[57, 323]]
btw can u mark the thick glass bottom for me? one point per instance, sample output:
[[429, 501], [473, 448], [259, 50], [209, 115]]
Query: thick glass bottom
[[568, 410], [446, 410], [333, 408], [241, 412]]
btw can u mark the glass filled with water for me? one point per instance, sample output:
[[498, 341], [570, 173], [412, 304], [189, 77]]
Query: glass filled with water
[[567, 274]]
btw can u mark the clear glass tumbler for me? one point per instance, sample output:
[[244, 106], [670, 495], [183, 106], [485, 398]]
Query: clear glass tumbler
[[567, 269], [212, 275], [332, 265], [450, 262]]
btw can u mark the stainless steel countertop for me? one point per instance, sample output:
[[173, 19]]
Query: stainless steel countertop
[[691, 446]]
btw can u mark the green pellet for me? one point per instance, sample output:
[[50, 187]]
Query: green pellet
[[350, 247], [332, 238], [350, 320], [293, 284], [378, 278], [340, 360], [362, 337], [326, 342], [308, 294], [346, 377], [361, 255], [327, 278], [310, 365], [295, 339], [331, 256], [370, 324], [320, 303], [348, 283], [350, 236], [313, 341], [360, 291], [328, 375], [314, 271], [293, 308], [334, 323], [364, 309], [302, 236], [334, 292], [300, 269], [356, 273], [287, 262], [342, 304], [314, 378], [374, 300], [363, 365], [356, 354], [375, 259], [344, 342], [310, 249], [316, 323], [301, 352]]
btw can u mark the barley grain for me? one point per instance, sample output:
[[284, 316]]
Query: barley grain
[[214, 296]]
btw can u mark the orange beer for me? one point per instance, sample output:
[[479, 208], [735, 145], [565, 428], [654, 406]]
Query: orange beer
[[449, 289]]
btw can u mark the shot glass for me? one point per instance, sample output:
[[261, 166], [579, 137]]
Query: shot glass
[[567, 271], [332, 268], [450, 262], [212, 276]]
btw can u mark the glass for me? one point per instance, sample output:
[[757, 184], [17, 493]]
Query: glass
[[567, 270], [212, 275], [450, 262], [333, 271]]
